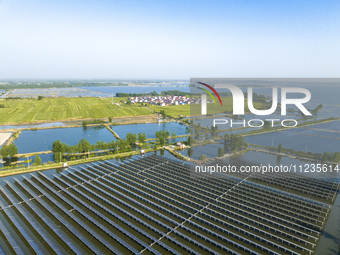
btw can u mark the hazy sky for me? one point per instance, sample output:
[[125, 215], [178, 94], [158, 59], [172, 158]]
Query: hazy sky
[[63, 39]]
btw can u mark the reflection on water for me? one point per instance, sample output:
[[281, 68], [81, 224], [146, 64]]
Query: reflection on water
[[298, 140], [210, 150], [267, 158], [150, 129], [139, 89], [42, 140], [329, 242]]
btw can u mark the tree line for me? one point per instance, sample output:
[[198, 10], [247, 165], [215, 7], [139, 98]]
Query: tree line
[[84, 146], [326, 156], [234, 142]]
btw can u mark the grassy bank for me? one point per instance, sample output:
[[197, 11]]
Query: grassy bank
[[13, 137], [280, 128], [70, 163]]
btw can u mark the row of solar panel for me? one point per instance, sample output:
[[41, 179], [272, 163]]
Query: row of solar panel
[[257, 228], [248, 190], [191, 219], [122, 171], [323, 190], [310, 204], [205, 193], [135, 198]]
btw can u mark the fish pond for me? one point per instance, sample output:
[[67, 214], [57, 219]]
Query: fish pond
[[42, 140], [150, 129], [299, 139]]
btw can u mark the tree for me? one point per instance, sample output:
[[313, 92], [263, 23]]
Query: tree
[[84, 124], [9, 151], [58, 146], [4, 151], [84, 145], [112, 145], [37, 160], [197, 131], [173, 137], [122, 94], [189, 140], [236, 142], [279, 148], [190, 152], [141, 137], [134, 138], [110, 119], [203, 157], [267, 124], [162, 112], [131, 138], [278, 159], [40, 97], [220, 152], [13, 150], [120, 147], [100, 145], [336, 157], [214, 131], [58, 157], [162, 135]]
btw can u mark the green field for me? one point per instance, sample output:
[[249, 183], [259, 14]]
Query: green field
[[173, 110], [56, 109]]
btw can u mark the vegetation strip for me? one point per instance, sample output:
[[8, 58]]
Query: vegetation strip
[[70, 163]]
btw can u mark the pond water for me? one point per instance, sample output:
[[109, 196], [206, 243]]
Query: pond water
[[55, 92], [176, 140], [268, 158], [314, 132], [330, 238], [150, 129], [238, 123], [42, 140], [45, 158], [323, 92], [236, 131], [332, 125], [297, 140], [210, 150], [138, 89]]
